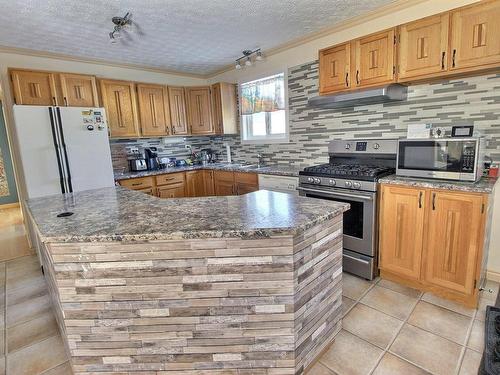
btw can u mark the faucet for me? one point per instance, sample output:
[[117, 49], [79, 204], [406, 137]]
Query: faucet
[[260, 162]]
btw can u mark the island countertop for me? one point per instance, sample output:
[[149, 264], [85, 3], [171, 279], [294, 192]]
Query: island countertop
[[119, 214]]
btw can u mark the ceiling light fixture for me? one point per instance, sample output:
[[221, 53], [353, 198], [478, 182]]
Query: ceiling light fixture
[[120, 24], [247, 56]]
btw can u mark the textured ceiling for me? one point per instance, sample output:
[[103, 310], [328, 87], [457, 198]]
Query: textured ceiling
[[191, 36]]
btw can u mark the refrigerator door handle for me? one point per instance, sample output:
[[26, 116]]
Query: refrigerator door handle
[[64, 149], [57, 150]]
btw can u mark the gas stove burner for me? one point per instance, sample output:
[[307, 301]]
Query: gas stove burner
[[354, 171]]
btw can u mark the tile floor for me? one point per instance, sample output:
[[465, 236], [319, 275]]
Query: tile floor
[[388, 329]]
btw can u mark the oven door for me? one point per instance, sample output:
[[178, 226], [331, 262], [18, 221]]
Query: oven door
[[359, 220]]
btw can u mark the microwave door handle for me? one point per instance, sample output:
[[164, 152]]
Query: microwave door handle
[[336, 193]]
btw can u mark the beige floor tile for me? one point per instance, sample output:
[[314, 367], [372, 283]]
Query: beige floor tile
[[347, 303], [476, 338], [2, 365], [429, 351], [353, 286], [30, 278], [447, 304], [410, 292], [490, 291], [65, 369], [27, 293], [441, 321], [371, 325], [392, 365], [37, 358], [2, 343], [393, 303], [317, 369], [350, 355], [22, 265], [35, 330], [25, 311], [470, 363], [481, 309]]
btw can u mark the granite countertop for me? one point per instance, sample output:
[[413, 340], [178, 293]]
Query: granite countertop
[[484, 185], [120, 214], [275, 169]]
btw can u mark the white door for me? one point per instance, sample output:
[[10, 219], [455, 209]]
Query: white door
[[37, 150], [87, 144]]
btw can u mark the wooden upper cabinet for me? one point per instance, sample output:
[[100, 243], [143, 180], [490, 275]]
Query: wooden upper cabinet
[[79, 90], [475, 36], [121, 108], [334, 68], [401, 230], [153, 110], [375, 59], [224, 108], [33, 88], [423, 47], [454, 240], [199, 110], [177, 102]]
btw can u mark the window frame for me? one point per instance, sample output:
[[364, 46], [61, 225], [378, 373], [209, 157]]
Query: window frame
[[269, 138]]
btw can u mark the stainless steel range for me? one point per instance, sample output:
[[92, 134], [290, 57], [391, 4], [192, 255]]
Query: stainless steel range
[[351, 176]]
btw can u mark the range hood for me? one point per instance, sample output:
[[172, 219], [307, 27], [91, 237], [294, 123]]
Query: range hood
[[385, 94]]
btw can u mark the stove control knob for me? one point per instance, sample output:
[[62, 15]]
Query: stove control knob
[[332, 182], [348, 184], [347, 146], [317, 180], [376, 146], [356, 185], [310, 180]]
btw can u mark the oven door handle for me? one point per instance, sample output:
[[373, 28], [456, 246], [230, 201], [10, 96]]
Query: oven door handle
[[356, 259], [335, 193]]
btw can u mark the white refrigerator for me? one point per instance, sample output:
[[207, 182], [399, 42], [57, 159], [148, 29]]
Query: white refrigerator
[[63, 149]]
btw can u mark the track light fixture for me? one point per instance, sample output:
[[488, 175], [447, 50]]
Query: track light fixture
[[247, 56]]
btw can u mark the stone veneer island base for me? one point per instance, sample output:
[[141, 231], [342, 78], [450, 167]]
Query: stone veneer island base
[[255, 290]]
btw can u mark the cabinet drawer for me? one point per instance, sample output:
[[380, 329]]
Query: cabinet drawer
[[170, 178], [246, 178], [138, 183], [172, 191]]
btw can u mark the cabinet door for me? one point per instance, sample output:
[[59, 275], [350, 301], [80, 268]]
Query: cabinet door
[[475, 36], [79, 90], [454, 241], [153, 110], [171, 191], [208, 179], [121, 108], [148, 191], [199, 110], [33, 88], [224, 183], [177, 102], [423, 46], [374, 59], [217, 108], [246, 182], [194, 184], [401, 230], [334, 67]]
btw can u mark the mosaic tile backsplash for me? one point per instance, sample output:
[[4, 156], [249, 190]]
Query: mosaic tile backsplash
[[4, 185], [472, 100]]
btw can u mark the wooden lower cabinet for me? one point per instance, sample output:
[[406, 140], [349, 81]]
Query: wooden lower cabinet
[[195, 186], [138, 183], [245, 182], [208, 179], [171, 191], [224, 183], [433, 240]]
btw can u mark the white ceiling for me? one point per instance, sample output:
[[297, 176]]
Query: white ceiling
[[191, 36]]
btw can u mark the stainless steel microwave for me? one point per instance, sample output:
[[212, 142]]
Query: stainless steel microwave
[[443, 158]]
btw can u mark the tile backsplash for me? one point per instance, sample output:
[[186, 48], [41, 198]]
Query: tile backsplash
[[472, 100]]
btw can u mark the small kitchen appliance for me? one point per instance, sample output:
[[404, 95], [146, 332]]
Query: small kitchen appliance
[[351, 176], [137, 165], [458, 159], [152, 161]]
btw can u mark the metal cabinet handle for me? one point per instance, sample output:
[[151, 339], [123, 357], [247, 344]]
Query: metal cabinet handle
[[53, 100], [433, 201], [420, 200], [137, 184], [442, 59], [453, 58], [347, 79], [357, 77]]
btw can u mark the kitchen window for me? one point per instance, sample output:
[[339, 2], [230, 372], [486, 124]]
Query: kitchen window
[[263, 110]]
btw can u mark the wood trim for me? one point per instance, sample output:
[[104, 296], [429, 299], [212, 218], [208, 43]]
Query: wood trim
[[490, 275], [9, 205]]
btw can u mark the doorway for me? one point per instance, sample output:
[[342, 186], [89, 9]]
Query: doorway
[[8, 190]]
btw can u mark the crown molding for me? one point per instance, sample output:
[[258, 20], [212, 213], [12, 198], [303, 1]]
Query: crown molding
[[64, 57], [385, 10]]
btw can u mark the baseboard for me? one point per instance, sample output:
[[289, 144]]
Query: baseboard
[[493, 276], [9, 205]]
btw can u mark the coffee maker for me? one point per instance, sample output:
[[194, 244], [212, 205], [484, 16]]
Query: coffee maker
[[152, 161]]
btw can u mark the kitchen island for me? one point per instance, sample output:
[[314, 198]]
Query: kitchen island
[[245, 284]]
